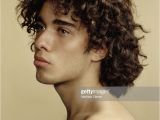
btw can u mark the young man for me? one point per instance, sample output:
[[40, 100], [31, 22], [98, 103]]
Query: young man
[[84, 43]]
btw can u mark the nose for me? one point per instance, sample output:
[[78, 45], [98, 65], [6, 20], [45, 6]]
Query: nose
[[42, 42]]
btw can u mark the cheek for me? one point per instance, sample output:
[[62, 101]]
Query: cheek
[[75, 44], [74, 47], [70, 59], [71, 62], [71, 68], [73, 52]]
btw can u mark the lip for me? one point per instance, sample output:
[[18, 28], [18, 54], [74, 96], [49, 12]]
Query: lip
[[40, 62]]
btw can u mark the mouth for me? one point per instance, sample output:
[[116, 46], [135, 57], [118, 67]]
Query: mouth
[[40, 62]]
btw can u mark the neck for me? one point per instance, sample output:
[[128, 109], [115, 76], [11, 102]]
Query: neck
[[69, 92]]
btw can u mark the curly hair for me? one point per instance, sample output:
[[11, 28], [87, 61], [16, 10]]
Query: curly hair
[[109, 23]]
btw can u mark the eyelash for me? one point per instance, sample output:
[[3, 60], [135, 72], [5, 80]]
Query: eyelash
[[63, 31], [39, 26]]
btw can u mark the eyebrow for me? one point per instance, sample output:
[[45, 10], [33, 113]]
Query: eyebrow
[[58, 22], [62, 22]]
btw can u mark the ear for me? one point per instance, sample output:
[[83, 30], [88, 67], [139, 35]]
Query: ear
[[98, 54]]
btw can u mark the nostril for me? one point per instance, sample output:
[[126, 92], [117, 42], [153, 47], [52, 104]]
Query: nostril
[[42, 42], [39, 45]]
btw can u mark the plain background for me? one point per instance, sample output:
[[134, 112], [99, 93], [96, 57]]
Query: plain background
[[23, 98]]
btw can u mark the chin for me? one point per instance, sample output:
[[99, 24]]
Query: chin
[[44, 79]]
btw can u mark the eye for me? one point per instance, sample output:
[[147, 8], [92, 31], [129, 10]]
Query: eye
[[63, 31], [39, 26]]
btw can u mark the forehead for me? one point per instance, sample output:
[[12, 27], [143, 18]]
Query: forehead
[[48, 13]]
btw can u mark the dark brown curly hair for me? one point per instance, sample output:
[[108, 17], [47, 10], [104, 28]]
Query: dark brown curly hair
[[110, 24]]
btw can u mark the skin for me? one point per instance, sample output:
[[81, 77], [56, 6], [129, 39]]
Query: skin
[[62, 42]]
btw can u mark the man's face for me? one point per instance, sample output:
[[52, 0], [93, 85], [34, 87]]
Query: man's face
[[59, 48]]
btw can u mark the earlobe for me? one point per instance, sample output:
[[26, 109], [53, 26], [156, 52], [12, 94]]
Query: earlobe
[[98, 55]]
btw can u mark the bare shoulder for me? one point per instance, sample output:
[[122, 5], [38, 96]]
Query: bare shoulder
[[111, 111], [107, 117]]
